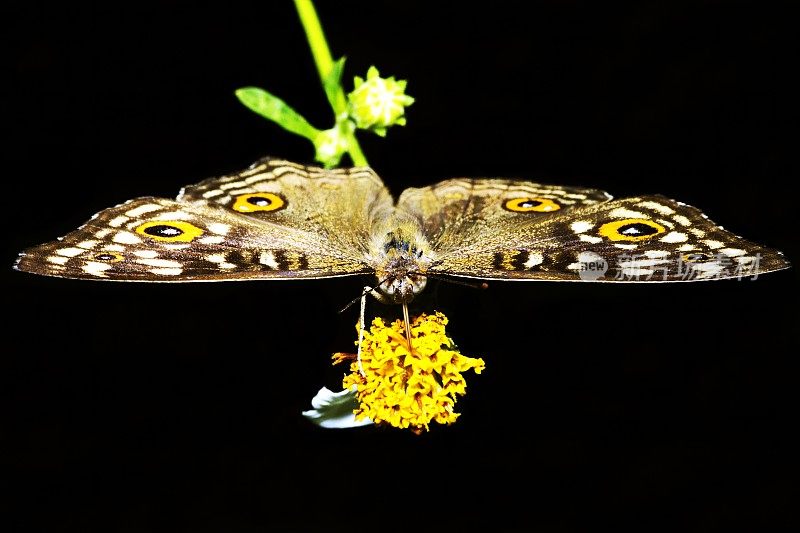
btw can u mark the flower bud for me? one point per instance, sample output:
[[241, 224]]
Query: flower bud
[[378, 103]]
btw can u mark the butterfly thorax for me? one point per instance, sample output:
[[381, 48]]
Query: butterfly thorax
[[400, 255]]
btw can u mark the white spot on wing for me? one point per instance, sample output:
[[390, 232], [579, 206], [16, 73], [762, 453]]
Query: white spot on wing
[[57, 260], [581, 226], [102, 233], [686, 247], [253, 179], [232, 185], [69, 252], [733, 252], [711, 243], [656, 253], [534, 258], [657, 207], [212, 239], [167, 271], [666, 223], [219, 228], [212, 194], [697, 232], [636, 263], [622, 212], [118, 221], [96, 269], [591, 239], [88, 244], [142, 209], [634, 272], [682, 220], [216, 258], [114, 248], [126, 237], [165, 263], [268, 258], [674, 236], [626, 246], [174, 215], [707, 270]]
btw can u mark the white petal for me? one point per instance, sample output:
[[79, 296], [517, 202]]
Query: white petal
[[335, 409]]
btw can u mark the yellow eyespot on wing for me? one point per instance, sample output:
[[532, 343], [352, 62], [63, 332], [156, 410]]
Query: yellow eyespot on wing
[[169, 230], [259, 201], [631, 229], [696, 257], [528, 204], [108, 257]]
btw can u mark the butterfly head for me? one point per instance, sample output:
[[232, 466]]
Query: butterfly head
[[401, 288], [402, 256]]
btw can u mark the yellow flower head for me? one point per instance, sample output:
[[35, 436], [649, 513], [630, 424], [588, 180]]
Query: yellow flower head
[[408, 389]]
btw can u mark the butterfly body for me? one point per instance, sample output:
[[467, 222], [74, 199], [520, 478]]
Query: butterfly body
[[281, 220], [401, 256]]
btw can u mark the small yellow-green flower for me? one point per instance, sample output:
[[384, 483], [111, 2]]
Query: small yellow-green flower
[[408, 389], [378, 103]]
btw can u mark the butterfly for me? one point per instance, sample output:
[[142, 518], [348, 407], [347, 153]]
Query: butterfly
[[282, 220]]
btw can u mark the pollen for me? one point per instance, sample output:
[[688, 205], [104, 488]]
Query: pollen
[[404, 388]]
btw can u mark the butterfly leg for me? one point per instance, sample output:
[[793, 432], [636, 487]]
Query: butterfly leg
[[407, 322], [361, 321], [385, 300]]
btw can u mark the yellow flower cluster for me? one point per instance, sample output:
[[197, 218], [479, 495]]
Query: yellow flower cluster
[[408, 389]]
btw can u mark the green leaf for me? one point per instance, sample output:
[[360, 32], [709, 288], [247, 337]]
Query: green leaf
[[273, 108], [333, 86]]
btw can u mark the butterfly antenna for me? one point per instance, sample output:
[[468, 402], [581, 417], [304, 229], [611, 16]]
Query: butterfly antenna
[[366, 291], [481, 285]]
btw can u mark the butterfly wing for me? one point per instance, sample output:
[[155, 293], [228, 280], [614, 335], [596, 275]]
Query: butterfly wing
[[340, 205], [274, 220], [463, 210], [648, 238]]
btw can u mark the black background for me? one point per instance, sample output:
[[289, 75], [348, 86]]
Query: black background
[[177, 407]]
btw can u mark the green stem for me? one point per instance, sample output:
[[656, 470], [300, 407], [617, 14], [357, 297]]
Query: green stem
[[358, 157], [324, 61], [316, 40]]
